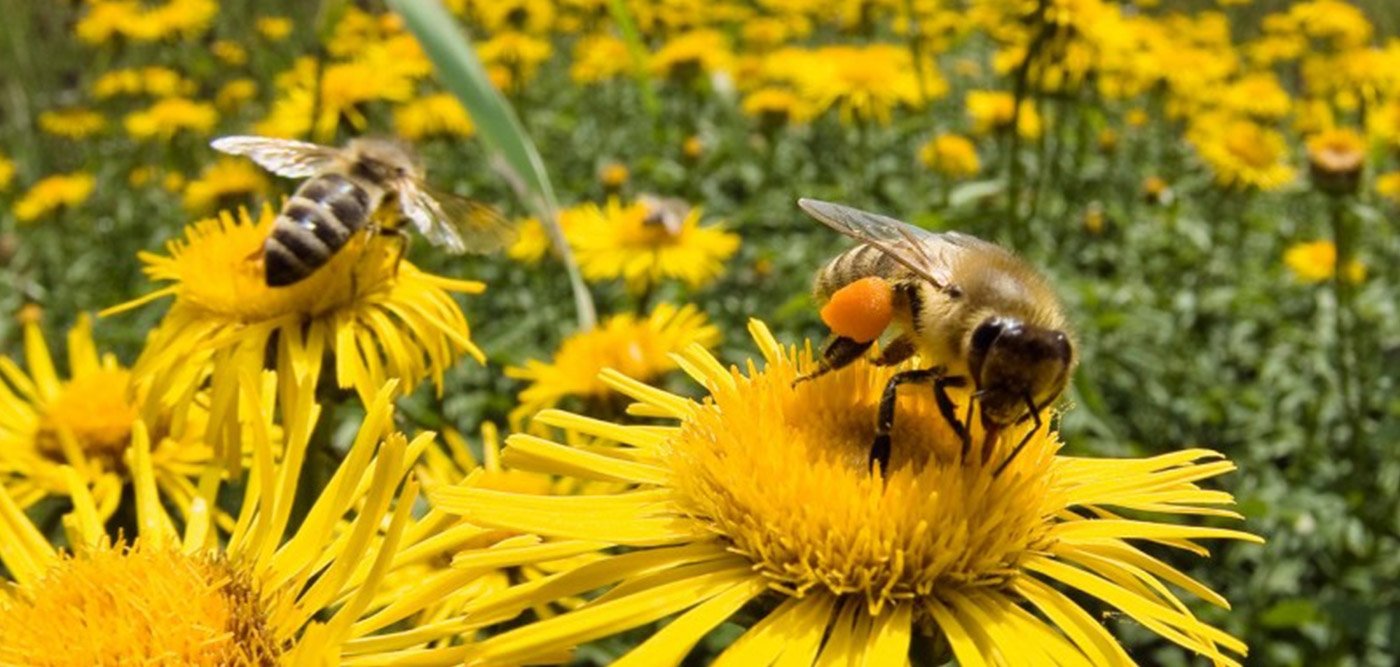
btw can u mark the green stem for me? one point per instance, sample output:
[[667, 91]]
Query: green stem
[[1342, 289]]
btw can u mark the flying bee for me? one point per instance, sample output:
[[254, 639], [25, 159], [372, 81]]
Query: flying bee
[[968, 303], [371, 185], [668, 212]]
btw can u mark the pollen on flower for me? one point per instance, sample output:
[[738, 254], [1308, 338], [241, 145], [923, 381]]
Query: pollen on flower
[[138, 605], [784, 474]]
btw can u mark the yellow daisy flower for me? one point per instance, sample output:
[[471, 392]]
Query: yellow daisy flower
[[1244, 154], [377, 316], [52, 193], [1258, 95], [599, 58], [640, 347], [344, 88], [171, 115], [263, 597], [517, 53], [154, 81], [235, 93], [83, 426], [1387, 184], [274, 28], [1316, 261], [865, 83], [613, 175], [1335, 160], [7, 172], [76, 123], [617, 241], [229, 52], [952, 155], [687, 56], [761, 492], [434, 115], [529, 16], [106, 20], [531, 241], [991, 111], [222, 184], [775, 107]]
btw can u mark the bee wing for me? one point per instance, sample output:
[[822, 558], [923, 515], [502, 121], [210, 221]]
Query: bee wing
[[919, 250], [456, 223], [285, 157]]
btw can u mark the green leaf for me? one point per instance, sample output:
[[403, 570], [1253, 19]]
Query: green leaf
[[1289, 614], [461, 72]]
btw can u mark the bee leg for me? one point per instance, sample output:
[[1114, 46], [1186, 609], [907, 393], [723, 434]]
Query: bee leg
[[880, 449], [897, 352], [1034, 415], [404, 240], [949, 411], [839, 353]]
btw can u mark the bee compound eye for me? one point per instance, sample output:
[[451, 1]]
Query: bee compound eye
[[985, 333]]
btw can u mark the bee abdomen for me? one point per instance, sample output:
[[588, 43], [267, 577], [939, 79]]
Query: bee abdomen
[[314, 225], [859, 262]]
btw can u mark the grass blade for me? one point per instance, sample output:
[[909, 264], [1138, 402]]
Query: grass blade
[[461, 72]]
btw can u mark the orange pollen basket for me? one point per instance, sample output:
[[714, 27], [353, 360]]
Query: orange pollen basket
[[861, 310]]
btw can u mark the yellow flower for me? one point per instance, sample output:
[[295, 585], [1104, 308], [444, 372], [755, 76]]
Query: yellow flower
[[233, 94], [952, 155], [530, 16], [52, 193], [641, 348], [108, 19], [154, 81], [378, 74], [775, 107], [1335, 159], [274, 28], [1244, 154], [865, 83], [377, 316], [7, 173], [53, 429], [613, 175], [75, 123], [435, 115], [531, 241], [229, 52], [992, 111], [222, 184], [171, 115], [687, 56], [1316, 261], [268, 595], [618, 241], [761, 492], [517, 52], [599, 58], [1387, 185], [1258, 95]]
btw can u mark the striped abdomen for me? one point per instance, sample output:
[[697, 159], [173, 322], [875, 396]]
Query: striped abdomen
[[859, 262], [315, 224]]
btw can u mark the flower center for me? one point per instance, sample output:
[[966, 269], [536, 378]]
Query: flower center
[[94, 411], [139, 606], [1251, 148], [219, 269], [783, 474]]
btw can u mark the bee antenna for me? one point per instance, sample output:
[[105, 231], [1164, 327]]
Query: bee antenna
[[1035, 416]]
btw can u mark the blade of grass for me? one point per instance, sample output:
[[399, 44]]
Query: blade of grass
[[622, 16], [461, 72]]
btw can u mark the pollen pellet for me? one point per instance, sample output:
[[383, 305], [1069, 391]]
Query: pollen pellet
[[861, 310]]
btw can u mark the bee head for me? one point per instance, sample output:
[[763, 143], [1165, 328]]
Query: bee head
[[383, 160], [1017, 367]]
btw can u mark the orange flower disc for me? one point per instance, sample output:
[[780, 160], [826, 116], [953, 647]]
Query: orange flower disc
[[861, 310]]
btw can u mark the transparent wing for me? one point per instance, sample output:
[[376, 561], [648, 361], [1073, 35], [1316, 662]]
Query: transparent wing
[[453, 222], [928, 254], [284, 157]]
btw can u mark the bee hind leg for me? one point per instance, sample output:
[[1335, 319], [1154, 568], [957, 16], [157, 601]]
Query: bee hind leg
[[838, 354], [404, 240], [897, 352]]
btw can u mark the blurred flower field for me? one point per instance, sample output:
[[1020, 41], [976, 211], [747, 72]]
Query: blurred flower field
[[591, 447]]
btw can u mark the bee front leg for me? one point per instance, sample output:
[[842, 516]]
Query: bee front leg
[[839, 353], [880, 449]]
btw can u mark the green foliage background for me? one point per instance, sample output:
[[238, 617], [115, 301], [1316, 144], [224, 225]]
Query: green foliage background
[[1193, 332]]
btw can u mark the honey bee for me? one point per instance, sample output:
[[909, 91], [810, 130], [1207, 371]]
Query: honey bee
[[668, 212], [972, 305], [370, 185]]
